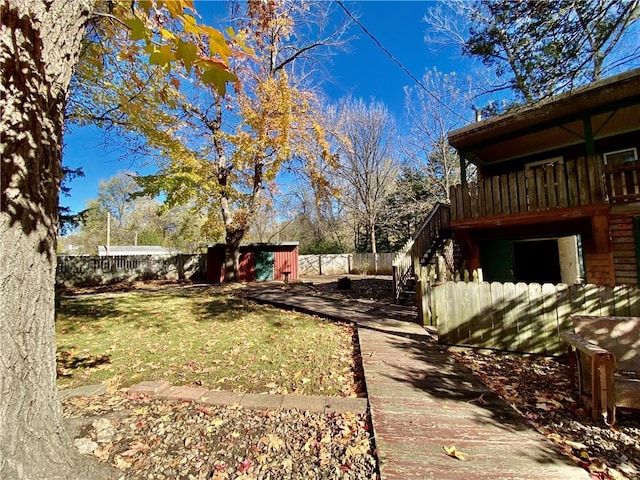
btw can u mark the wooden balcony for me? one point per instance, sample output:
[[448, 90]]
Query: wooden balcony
[[572, 185]]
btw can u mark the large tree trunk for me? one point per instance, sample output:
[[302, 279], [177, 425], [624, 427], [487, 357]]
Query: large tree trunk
[[236, 228], [232, 255], [39, 42]]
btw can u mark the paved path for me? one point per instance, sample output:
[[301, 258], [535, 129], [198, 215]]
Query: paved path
[[421, 401]]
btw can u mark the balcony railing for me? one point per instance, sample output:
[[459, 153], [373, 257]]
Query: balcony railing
[[623, 181], [571, 183]]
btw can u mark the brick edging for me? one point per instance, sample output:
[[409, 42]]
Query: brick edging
[[163, 390]]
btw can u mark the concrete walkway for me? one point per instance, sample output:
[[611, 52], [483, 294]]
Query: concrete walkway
[[421, 401]]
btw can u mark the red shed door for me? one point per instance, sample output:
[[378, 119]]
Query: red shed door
[[286, 260]]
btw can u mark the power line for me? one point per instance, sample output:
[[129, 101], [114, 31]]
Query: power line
[[396, 61]]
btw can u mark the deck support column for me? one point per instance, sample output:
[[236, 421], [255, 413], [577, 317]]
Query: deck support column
[[463, 167], [470, 250]]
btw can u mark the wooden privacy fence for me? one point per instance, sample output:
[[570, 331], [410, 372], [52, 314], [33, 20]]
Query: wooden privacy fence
[[521, 317], [370, 264], [345, 263], [84, 270]]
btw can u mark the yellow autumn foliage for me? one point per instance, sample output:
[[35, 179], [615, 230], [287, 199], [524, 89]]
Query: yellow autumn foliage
[[216, 150]]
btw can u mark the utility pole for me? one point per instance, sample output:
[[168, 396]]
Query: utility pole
[[108, 231]]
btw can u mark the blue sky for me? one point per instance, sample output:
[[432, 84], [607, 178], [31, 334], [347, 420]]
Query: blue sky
[[362, 71]]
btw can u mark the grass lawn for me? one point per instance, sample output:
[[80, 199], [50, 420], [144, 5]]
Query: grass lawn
[[205, 336]]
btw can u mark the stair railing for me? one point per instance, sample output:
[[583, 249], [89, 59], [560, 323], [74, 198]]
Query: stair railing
[[407, 261]]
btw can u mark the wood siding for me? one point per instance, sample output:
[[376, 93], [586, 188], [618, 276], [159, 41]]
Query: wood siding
[[286, 260], [277, 259]]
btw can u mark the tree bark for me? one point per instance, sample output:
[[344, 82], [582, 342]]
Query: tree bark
[[372, 236], [233, 239], [39, 45]]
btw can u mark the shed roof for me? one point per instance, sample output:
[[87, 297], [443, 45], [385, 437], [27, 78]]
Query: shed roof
[[259, 244], [611, 104]]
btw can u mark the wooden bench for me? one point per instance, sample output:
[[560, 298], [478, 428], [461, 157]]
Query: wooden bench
[[604, 354]]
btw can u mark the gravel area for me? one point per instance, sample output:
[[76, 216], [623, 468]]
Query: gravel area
[[155, 439], [363, 287]]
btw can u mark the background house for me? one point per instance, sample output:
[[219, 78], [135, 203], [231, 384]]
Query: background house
[[127, 250]]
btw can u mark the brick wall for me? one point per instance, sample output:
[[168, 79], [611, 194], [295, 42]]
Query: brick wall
[[599, 268], [624, 249]]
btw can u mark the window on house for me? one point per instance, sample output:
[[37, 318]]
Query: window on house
[[621, 156]]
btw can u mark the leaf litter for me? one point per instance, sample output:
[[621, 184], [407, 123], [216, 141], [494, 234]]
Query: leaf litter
[[452, 451], [544, 399], [157, 439], [540, 390], [199, 336]]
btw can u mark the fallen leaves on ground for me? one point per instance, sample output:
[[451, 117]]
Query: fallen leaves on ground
[[154, 439], [208, 336], [539, 389], [368, 287], [455, 453]]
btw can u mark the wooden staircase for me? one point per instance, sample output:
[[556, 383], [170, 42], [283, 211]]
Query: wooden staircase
[[420, 251], [439, 238]]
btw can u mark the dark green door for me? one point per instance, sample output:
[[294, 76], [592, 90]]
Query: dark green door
[[264, 265], [496, 260]]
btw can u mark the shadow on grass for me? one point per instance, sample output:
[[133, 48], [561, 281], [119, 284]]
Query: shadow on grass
[[157, 310], [224, 309], [88, 308], [67, 363], [102, 313]]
